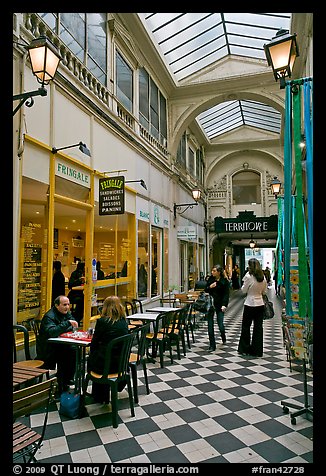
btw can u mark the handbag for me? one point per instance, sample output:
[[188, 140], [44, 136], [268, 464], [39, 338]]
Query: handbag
[[70, 404], [268, 308], [203, 303]]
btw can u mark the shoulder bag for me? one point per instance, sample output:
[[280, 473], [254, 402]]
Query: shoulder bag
[[268, 308]]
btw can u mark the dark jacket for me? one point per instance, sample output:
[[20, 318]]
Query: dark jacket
[[53, 324], [105, 331], [58, 285], [220, 293], [75, 280]]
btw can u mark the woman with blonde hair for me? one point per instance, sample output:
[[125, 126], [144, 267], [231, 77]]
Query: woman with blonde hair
[[111, 324], [254, 285]]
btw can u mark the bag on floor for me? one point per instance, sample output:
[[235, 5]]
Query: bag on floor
[[268, 308], [70, 404]]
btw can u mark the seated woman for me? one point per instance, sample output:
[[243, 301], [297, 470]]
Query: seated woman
[[111, 324]]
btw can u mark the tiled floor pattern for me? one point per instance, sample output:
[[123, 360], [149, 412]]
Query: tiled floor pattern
[[211, 407]]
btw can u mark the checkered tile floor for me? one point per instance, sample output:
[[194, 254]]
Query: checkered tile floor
[[211, 407]]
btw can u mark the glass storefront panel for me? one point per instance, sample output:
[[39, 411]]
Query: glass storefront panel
[[156, 261], [142, 253]]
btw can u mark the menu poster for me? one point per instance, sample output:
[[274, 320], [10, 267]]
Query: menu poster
[[112, 195], [29, 286]]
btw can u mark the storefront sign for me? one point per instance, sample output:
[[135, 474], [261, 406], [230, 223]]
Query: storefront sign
[[246, 221], [186, 232], [112, 195], [72, 173]]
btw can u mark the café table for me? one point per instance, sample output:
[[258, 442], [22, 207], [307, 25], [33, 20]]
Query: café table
[[144, 316], [81, 340], [25, 375], [161, 309]]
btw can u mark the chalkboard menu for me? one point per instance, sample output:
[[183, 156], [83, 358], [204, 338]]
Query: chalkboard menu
[[112, 195], [29, 287]]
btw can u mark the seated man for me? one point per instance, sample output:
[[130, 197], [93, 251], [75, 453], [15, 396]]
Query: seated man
[[56, 321]]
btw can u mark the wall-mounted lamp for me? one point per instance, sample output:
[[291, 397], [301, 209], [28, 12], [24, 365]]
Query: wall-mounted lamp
[[44, 58], [276, 186], [141, 181], [196, 196], [281, 53], [82, 147], [252, 243]]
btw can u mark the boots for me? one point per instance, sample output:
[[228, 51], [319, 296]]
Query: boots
[[223, 337]]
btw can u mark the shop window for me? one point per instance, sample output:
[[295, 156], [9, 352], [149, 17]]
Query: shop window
[[143, 259], [156, 261]]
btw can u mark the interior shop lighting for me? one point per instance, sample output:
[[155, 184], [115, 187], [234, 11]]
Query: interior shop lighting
[[281, 53], [178, 206], [82, 147], [44, 58]]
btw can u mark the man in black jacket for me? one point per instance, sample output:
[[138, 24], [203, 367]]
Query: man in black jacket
[[218, 287], [56, 321]]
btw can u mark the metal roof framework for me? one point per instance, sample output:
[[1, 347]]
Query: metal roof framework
[[190, 42]]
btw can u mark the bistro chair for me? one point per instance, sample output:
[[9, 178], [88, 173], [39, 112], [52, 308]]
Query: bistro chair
[[28, 362], [139, 358], [119, 346], [138, 302], [26, 442], [159, 338]]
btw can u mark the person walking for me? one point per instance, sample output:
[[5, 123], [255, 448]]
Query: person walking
[[58, 281], [254, 285], [56, 321], [111, 324], [235, 277], [218, 287]]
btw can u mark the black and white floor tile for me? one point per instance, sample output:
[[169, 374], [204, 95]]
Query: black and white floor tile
[[208, 407]]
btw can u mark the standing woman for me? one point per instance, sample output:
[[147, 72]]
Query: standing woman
[[111, 324], [218, 287], [255, 285]]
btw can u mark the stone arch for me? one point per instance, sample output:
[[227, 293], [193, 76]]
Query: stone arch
[[229, 155], [188, 113]]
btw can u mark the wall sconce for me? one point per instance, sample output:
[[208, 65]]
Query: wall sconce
[[252, 243], [281, 53], [276, 186], [196, 196], [141, 181], [44, 58], [82, 147]]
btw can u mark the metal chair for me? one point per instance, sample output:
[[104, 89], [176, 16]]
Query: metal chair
[[26, 442], [28, 362], [139, 358], [119, 346]]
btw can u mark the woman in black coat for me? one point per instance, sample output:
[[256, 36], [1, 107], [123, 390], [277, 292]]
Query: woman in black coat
[[76, 296], [218, 287], [111, 324]]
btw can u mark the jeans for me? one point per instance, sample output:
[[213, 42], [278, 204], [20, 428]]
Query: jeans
[[220, 323]]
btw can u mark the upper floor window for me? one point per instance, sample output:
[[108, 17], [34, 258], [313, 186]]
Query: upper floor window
[[246, 188], [152, 107], [124, 82], [85, 35]]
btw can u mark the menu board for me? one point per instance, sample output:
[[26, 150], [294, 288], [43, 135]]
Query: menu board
[[112, 195], [29, 286]]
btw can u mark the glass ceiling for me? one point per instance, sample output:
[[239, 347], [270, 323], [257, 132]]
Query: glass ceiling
[[191, 41]]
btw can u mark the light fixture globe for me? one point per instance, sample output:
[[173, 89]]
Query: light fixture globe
[[196, 194], [281, 53], [44, 58], [276, 186]]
